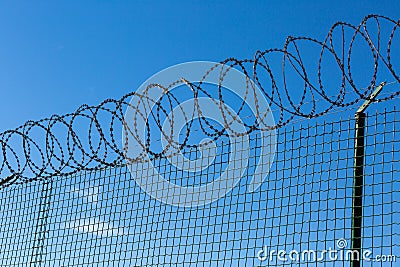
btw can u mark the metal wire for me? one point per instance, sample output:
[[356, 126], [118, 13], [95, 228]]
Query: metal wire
[[103, 218], [57, 145], [64, 203]]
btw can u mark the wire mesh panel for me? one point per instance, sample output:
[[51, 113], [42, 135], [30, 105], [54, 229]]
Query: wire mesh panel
[[19, 207], [381, 191], [300, 216]]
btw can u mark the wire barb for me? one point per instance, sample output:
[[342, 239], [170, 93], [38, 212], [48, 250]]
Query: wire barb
[[64, 152]]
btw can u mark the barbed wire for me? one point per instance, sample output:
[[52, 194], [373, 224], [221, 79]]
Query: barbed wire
[[56, 145]]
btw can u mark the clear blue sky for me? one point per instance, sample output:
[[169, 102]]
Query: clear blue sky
[[56, 56]]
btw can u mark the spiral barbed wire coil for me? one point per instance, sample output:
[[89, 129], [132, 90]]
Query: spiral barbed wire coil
[[55, 145]]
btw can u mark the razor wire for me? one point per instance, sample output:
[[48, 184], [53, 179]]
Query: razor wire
[[55, 145]]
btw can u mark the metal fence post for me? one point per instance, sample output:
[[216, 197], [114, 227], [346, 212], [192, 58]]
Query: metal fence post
[[358, 180]]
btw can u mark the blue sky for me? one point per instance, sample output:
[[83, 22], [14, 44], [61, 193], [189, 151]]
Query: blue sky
[[57, 56]]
